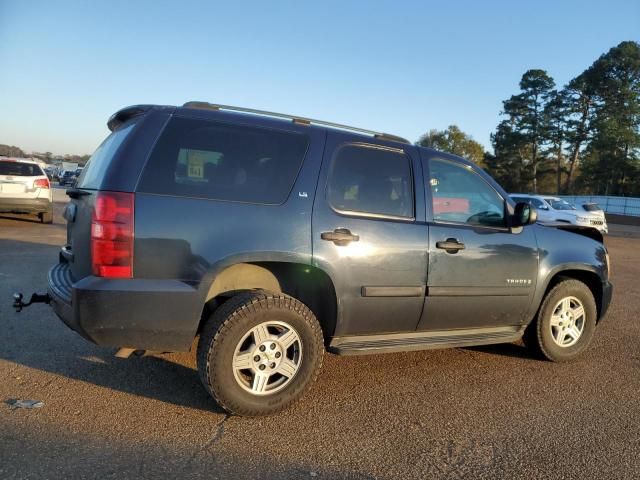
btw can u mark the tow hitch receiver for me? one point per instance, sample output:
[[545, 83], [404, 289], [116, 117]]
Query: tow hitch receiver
[[18, 304]]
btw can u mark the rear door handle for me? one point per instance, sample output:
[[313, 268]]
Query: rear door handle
[[451, 245], [340, 236]]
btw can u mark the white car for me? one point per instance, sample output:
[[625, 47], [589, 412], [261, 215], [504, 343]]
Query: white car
[[24, 188], [554, 209]]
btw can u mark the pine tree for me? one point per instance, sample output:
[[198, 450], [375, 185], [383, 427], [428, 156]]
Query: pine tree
[[524, 129], [580, 101], [555, 121], [613, 152]]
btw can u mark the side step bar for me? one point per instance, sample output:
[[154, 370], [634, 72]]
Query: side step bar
[[409, 341]]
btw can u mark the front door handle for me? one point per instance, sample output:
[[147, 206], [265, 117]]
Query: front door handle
[[340, 236], [451, 245]]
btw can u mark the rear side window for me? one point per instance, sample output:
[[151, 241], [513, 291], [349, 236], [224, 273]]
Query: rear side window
[[199, 158], [20, 169], [371, 180], [92, 174]]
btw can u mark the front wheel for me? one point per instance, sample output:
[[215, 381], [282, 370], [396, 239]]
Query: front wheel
[[565, 323], [259, 352]]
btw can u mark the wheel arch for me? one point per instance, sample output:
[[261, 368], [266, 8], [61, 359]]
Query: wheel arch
[[310, 285], [589, 277]]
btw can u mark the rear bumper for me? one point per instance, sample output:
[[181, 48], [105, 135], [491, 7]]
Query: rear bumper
[[158, 315], [25, 205]]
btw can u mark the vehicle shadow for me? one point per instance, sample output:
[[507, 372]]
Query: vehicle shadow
[[20, 218], [512, 350], [37, 339], [152, 377], [55, 449]]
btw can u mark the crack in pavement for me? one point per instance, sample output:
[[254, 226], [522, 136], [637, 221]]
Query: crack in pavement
[[216, 437]]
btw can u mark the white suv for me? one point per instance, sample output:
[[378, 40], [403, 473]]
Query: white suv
[[554, 209], [24, 188]]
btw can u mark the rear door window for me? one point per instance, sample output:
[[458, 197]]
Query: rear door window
[[371, 180], [204, 159], [97, 165], [19, 169]]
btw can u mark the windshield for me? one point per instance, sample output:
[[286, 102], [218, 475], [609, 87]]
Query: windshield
[[558, 204], [591, 207], [536, 202]]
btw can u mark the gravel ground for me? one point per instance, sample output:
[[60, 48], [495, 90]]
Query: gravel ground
[[490, 412]]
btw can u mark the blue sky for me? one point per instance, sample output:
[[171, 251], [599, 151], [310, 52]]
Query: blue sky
[[399, 67]]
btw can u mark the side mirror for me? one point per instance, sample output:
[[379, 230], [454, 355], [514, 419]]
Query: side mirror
[[524, 214]]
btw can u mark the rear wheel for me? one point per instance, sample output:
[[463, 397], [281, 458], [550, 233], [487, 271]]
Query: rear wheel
[[565, 323], [259, 352]]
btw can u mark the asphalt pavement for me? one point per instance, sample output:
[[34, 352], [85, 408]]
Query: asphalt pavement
[[490, 412]]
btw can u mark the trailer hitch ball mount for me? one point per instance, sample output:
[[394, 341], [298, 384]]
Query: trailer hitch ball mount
[[18, 304]]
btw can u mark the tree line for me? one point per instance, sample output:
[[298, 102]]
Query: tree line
[[13, 151], [583, 138]]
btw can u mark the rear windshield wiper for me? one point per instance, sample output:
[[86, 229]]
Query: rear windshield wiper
[[77, 193]]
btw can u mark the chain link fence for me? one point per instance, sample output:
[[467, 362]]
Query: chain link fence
[[616, 205]]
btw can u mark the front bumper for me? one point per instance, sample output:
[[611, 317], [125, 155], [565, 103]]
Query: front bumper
[[158, 315], [601, 227], [599, 224], [607, 295], [25, 205]]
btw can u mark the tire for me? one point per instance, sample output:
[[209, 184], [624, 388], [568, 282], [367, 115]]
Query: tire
[[233, 337], [552, 335], [46, 217]]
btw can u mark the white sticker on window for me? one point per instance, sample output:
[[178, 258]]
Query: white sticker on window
[[195, 164]]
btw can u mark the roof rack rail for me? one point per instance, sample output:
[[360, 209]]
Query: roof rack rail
[[294, 119]]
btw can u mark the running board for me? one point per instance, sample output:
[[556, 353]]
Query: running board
[[408, 341]]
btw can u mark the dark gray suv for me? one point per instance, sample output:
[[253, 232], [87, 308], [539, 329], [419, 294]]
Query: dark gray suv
[[274, 238]]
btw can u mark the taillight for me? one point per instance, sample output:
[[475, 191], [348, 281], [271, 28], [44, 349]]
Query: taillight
[[112, 235], [41, 183]]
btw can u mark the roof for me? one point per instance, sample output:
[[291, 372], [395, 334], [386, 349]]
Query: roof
[[125, 114], [296, 119], [16, 159]]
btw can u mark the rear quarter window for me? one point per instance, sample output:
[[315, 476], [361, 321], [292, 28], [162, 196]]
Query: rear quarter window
[[20, 169], [204, 159], [92, 174]]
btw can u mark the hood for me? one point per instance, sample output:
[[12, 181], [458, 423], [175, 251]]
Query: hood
[[592, 213], [588, 232], [580, 213], [571, 213]]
